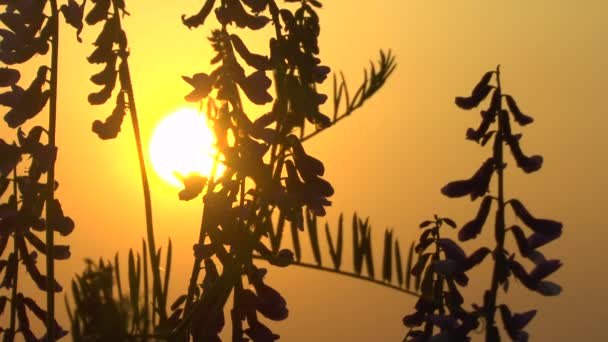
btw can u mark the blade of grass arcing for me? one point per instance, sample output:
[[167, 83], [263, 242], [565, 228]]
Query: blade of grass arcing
[[311, 223], [146, 306], [335, 252], [167, 274], [366, 246], [387, 260], [277, 237], [357, 255], [296, 241], [398, 264], [118, 283], [408, 267]]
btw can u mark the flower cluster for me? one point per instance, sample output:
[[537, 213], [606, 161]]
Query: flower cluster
[[543, 231], [440, 303], [30, 206], [268, 171]]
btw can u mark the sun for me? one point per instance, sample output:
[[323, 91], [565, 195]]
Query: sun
[[183, 143]]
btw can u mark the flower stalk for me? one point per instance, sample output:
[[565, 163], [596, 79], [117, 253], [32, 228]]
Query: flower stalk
[[50, 189]]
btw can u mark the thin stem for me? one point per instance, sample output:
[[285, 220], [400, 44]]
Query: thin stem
[[154, 262], [348, 274], [500, 219], [50, 262], [237, 324], [16, 238]]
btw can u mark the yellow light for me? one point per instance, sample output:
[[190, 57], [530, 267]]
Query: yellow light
[[183, 142]]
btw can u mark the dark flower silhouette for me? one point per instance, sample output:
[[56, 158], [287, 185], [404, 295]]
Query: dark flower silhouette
[[475, 186], [199, 18], [202, 84], [479, 93], [73, 14], [515, 323], [518, 116], [8, 77], [541, 226], [528, 164], [472, 228], [256, 87]]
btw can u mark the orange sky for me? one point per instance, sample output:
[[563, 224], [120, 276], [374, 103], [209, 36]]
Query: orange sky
[[388, 161]]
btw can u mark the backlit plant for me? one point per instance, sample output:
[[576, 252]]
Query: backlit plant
[[31, 28], [506, 263]]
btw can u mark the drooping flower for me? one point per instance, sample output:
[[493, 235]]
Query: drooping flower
[[515, 323], [202, 84], [475, 186], [472, 228], [528, 164], [479, 93]]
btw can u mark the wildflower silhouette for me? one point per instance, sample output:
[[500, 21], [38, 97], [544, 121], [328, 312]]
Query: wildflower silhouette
[[31, 28], [506, 265]]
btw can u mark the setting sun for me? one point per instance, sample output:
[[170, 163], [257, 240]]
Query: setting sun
[[182, 142]]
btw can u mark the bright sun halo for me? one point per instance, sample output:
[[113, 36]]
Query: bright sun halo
[[182, 142]]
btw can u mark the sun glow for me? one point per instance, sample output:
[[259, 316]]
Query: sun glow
[[183, 143]]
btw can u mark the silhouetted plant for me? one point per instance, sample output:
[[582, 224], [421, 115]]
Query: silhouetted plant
[[103, 314], [29, 27], [505, 263], [111, 49], [267, 169], [440, 305], [397, 277]]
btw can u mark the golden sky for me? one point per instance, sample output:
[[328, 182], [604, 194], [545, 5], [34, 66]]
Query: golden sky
[[388, 161]]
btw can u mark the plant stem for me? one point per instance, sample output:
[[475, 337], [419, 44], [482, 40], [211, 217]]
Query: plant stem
[[154, 262], [50, 262], [348, 274], [500, 221], [16, 238], [237, 324]]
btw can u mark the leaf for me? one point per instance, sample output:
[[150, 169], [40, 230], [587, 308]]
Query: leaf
[[311, 223], [398, 264], [178, 302], [387, 266], [449, 222], [420, 264], [427, 283], [408, 267], [117, 273], [548, 288], [335, 257], [425, 223], [296, 240], [165, 289]]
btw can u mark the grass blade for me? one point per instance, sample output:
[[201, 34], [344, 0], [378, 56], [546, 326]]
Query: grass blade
[[398, 264]]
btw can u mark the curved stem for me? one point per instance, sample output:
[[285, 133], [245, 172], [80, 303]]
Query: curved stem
[[50, 265], [348, 274], [154, 262], [16, 238]]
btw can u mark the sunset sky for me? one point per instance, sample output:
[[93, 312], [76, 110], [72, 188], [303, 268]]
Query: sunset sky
[[388, 161]]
